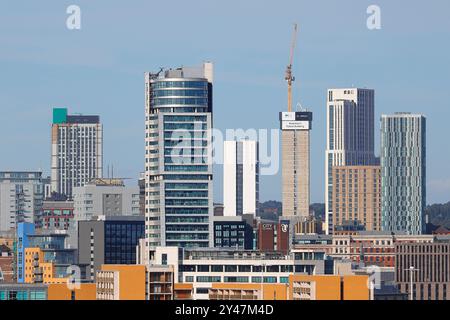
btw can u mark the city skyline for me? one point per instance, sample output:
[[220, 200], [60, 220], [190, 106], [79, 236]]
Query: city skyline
[[70, 75], [210, 152]]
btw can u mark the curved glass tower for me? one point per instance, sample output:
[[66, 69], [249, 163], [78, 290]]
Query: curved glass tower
[[403, 172], [178, 165]]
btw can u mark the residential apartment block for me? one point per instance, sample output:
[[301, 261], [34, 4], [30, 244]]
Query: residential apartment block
[[356, 196], [178, 158], [350, 136], [21, 197], [77, 151], [403, 172]]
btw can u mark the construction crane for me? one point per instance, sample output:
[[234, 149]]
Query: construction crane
[[288, 76]]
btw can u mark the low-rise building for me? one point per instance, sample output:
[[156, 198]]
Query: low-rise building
[[273, 236], [233, 232], [427, 266], [109, 240], [80, 291], [204, 267], [183, 291], [48, 260], [6, 264], [329, 287], [160, 282], [105, 197], [248, 291], [57, 215], [121, 282], [367, 247], [23, 291]]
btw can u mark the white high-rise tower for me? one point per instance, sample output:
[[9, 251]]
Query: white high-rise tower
[[240, 178]]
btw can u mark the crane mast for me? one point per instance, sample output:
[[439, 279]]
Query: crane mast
[[288, 76]]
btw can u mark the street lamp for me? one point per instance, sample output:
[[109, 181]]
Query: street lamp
[[411, 275]]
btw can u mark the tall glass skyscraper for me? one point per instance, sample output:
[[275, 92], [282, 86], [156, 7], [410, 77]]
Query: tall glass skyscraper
[[178, 164], [350, 136], [403, 172]]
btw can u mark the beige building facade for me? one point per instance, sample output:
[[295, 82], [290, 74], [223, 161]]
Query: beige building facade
[[356, 196], [295, 148]]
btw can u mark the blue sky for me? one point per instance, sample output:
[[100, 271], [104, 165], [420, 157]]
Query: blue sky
[[99, 70]]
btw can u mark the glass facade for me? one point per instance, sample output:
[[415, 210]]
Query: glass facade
[[403, 175], [121, 239], [11, 292], [178, 168], [350, 136], [228, 234]]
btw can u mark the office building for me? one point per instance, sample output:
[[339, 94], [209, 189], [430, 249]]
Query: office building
[[47, 259], [203, 266], [23, 291], [233, 232], [403, 172], [105, 197], [109, 240], [356, 197], [431, 269], [350, 136], [240, 177], [295, 150], [364, 247], [178, 163], [77, 151], [21, 196], [273, 236]]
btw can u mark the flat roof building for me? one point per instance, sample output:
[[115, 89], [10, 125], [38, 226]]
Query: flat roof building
[[77, 151], [356, 196]]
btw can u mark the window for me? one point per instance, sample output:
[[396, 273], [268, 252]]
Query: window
[[202, 290], [270, 279], [230, 268], [245, 268], [202, 268], [216, 268], [256, 279], [236, 279]]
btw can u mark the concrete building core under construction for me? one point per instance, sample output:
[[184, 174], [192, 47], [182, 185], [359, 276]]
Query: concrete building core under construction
[[295, 135]]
